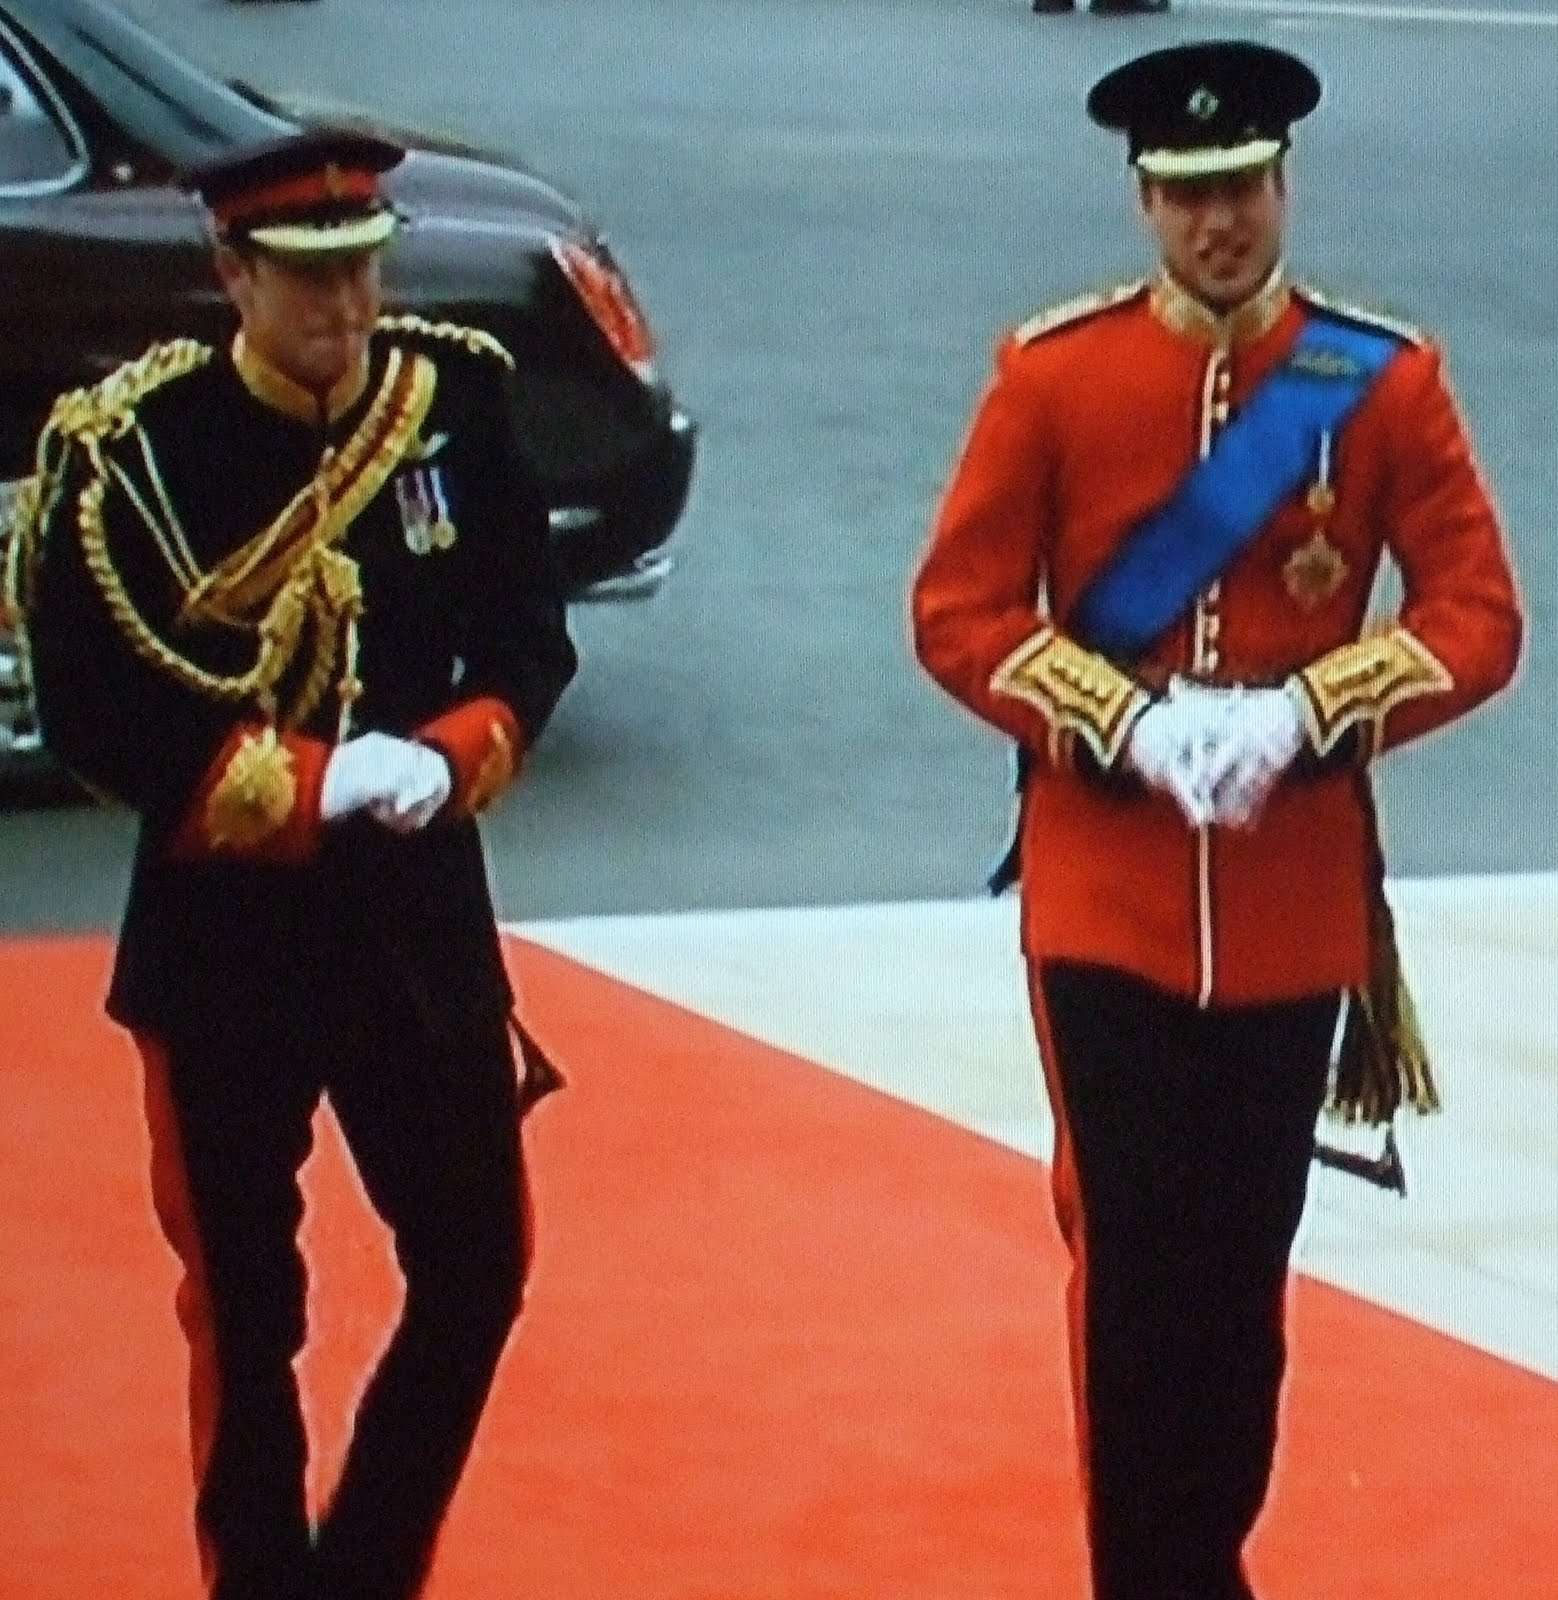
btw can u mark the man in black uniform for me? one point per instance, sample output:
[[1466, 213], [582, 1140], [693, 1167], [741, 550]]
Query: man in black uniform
[[293, 602]]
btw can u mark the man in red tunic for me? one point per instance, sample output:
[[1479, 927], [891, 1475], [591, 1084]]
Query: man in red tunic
[[1152, 569]]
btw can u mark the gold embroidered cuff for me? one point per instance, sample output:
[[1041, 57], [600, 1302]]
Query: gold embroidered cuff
[[254, 796], [1077, 691], [1363, 683], [483, 743], [496, 771]]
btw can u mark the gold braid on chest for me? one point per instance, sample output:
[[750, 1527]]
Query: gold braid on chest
[[287, 583]]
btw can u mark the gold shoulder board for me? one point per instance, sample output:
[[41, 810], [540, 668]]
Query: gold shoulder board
[[1364, 314], [477, 340], [1077, 309]]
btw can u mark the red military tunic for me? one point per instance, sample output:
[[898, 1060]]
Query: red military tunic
[[1096, 412]]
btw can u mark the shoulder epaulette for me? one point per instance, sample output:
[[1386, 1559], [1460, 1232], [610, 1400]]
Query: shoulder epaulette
[[1363, 315], [477, 340], [107, 408], [1077, 309]]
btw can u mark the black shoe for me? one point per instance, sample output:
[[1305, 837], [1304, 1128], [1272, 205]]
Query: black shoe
[[1054, 6], [1128, 8]]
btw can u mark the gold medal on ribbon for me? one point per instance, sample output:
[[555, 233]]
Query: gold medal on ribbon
[[424, 511], [443, 530], [1314, 572], [416, 516]]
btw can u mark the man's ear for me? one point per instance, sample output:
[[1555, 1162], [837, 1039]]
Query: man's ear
[[233, 271]]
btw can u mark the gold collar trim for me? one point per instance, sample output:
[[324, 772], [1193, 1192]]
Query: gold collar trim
[[1179, 310], [272, 387]]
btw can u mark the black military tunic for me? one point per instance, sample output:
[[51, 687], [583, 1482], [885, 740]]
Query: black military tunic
[[459, 603], [222, 580]]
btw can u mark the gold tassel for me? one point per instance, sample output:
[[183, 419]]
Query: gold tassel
[[1382, 1064]]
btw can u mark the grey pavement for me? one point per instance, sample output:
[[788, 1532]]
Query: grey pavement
[[832, 208]]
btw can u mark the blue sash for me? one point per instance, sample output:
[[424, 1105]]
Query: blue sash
[[1258, 460]]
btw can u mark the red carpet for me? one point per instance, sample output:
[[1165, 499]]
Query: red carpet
[[785, 1338]]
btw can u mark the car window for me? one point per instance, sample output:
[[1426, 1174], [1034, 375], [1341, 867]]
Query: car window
[[156, 97], [36, 149]]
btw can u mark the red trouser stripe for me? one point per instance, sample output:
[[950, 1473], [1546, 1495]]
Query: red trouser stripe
[[175, 1212], [1066, 1193]]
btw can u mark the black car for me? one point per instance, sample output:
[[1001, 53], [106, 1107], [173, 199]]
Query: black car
[[102, 254]]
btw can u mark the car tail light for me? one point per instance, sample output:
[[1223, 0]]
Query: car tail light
[[610, 303]]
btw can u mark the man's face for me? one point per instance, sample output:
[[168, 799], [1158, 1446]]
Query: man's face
[[309, 316], [1220, 236]]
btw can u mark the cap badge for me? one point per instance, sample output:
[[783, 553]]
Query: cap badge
[[1203, 105], [335, 181]]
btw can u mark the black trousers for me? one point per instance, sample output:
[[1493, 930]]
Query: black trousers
[[434, 1132], [1183, 1143]]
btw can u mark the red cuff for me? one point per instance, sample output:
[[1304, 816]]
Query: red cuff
[[259, 799], [483, 744]]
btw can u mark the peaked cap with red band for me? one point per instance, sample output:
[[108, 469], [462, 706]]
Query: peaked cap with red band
[[305, 194]]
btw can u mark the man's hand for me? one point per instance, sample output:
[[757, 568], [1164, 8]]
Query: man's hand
[[1171, 745], [424, 785], [1261, 735], [398, 782]]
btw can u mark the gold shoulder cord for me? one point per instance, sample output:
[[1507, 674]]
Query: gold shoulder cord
[[29, 511], [296, 579], [105, 410], [477, 340], [18, 551]]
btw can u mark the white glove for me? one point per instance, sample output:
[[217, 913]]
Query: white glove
[[424, 785], [359, 771], [1171, 744], [1259, 738], [398, 782]]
